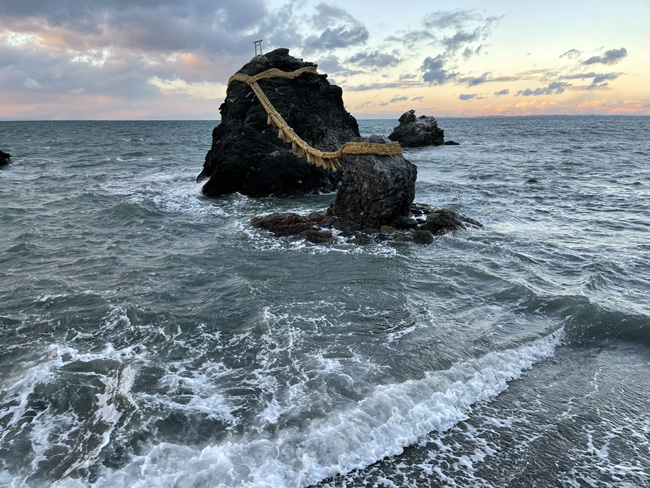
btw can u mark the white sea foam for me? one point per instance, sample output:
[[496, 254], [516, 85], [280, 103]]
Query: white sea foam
[[381, 425]]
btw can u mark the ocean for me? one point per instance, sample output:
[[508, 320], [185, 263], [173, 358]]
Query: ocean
[[149, 337]]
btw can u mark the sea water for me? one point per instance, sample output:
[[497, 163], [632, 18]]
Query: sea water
[[150, 337]]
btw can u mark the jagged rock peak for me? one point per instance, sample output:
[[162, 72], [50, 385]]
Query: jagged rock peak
[[246, 154]]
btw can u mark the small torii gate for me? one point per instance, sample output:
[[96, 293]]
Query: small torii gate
[[258, 44]]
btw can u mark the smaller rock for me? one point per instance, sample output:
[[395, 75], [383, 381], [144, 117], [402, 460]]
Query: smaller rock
[[444, 221], [531, 181], [283, 224], [4, 158], [404, 223], [451, 143], [386, 229], [360, 240], [417, 132], [421, 236], [400, 237], [316, 236]]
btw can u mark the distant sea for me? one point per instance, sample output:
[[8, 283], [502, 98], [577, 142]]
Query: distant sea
[[150, 337]]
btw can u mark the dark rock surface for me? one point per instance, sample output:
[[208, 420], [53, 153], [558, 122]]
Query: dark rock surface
[[375, 190], [4, 158], [420, 131], [246, 154], [320, 227]]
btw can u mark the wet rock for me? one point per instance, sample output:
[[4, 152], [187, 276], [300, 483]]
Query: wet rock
[[451, 143], [246, 154], [386, 229], [415, 131], [400, 237], [360, 240], [316, 236], [375, 190], [531, 181], [422, 236], [4, 158], [284, 224], [444, 221]]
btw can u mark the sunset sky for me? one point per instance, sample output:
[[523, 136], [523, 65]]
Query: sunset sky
[[170, 59]]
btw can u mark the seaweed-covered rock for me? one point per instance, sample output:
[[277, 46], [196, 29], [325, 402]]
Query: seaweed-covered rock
[[415, 131], [246, 154]]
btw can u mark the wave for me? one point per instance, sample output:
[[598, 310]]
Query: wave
[[391, 418], [590, 322]]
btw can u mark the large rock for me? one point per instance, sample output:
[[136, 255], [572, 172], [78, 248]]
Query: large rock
[[4, 158], [246, 154], [415, 131], [375, 190]]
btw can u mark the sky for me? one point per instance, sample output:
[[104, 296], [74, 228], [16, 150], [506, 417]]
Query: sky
[[171, 59]]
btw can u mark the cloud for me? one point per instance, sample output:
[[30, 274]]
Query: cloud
[[399, 99], [32, 84], [554, 88], [340, 30], [377, 86], [486, 78], [502, 92], [331, 64], [417, 99], [434, 72], [454, 30], [571, 54], [612, 56], [469, 96], [374, 59]]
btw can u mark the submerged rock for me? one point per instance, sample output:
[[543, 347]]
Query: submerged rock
[[4, 158], [246, 154], [375, 190], [420, 131]]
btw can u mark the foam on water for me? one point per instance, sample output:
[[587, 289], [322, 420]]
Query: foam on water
[[381, 425]]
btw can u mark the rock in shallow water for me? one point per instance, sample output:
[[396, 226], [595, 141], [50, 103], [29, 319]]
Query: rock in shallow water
[[4, 158], [415, 131], [375, 190], [317, 227]]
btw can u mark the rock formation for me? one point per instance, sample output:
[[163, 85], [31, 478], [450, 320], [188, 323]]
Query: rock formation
[[4, 158], [420, 131], [246, 154], [375, 190], [423, 224]]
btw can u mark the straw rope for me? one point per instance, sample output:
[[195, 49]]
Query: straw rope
[[327, 160]]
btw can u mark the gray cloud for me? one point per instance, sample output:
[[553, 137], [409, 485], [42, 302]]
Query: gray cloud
[[149, 26], [340, 30], [434, 72], [554, 88], [464, 29], [598, 79], [612, 56], [502, 92], [378, 86], [417, 99], [571, 54], [374, 59], [399, 99], [469, 96]]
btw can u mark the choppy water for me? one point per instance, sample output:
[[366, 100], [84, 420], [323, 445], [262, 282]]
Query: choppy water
[[150, 337]]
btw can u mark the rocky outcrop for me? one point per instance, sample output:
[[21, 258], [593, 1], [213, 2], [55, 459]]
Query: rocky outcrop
[[4, 158], [420, 131], [420, 227], [246, 154], [375, 190]]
